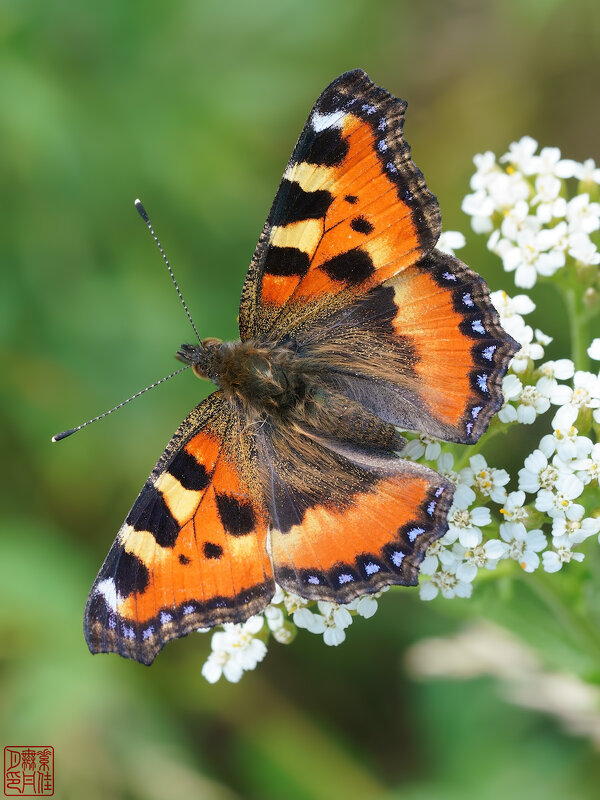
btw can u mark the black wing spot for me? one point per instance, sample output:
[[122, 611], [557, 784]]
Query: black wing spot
[[212, 550], [151, 513], [296, 204], [184, 560], [328, 149], [131, 575], [351, 198], [190, 473], [361, 225], [286, 261], [236, 515], [354, 266]]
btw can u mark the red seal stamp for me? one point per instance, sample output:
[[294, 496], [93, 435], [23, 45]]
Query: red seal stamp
[[28, 771]]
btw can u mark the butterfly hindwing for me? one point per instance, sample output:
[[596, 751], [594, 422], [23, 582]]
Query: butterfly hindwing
[[425, 351], [346, 520], [192, 551], [352, 210]]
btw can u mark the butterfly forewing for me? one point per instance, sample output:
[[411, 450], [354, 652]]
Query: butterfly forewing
[[192, 551], [352, 210]]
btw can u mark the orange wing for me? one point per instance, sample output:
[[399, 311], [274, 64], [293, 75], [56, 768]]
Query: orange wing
[[352, 210], [192, 551]]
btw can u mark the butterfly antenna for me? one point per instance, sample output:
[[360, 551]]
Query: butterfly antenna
[[143, 214], [58, 436]]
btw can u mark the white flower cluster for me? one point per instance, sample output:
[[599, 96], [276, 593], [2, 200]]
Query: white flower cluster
[[522, 201], [238, 648]]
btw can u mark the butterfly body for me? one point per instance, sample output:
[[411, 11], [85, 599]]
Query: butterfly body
[[352, 326], [260, 377]]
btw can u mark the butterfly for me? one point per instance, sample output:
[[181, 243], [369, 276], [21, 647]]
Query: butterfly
[[352, 326]]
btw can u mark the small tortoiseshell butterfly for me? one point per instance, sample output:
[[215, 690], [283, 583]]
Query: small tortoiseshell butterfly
[[351, 324]]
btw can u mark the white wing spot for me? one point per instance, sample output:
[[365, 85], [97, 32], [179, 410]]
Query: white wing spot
[[108, 590], [164, 617], [369, 109], [488, 353], [468, 300], [313, 579], [482, 382], [477, 326], [128, 632], [147, 633], [398, 557], [345, 578], [382, 146], [414, 532], [321, 122], [449, 276], [372, 568], [475, 411]]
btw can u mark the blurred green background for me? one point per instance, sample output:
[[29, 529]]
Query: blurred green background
[[195, 107]]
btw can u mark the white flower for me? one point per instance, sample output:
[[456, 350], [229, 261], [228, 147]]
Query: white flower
[[562, 554], [582, 248], [511, 390], [515, 219], [332, 621], [565, 440], [533, 400], [234, 650], [582, 215], [563, 369], [560, 503], [450, 241], [436, 554], [507, 190], [528, 259], [446, 581], [445, 466], [510, 306], [514, 515], [584, 394], [587, 172], [548, 162], [488, 481], [588, 469], [577, 529], [521, 154], [480, 207], [524, 548], [464, 524], [551, 206], [423, 445], [487, 169], [593, 350], [538, 473], [365, 606], [485, 555], [530, 351]]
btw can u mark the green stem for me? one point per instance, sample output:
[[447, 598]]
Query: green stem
[[578, 326]]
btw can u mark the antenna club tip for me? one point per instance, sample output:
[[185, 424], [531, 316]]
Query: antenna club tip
[[58, 436], [141, 210]]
